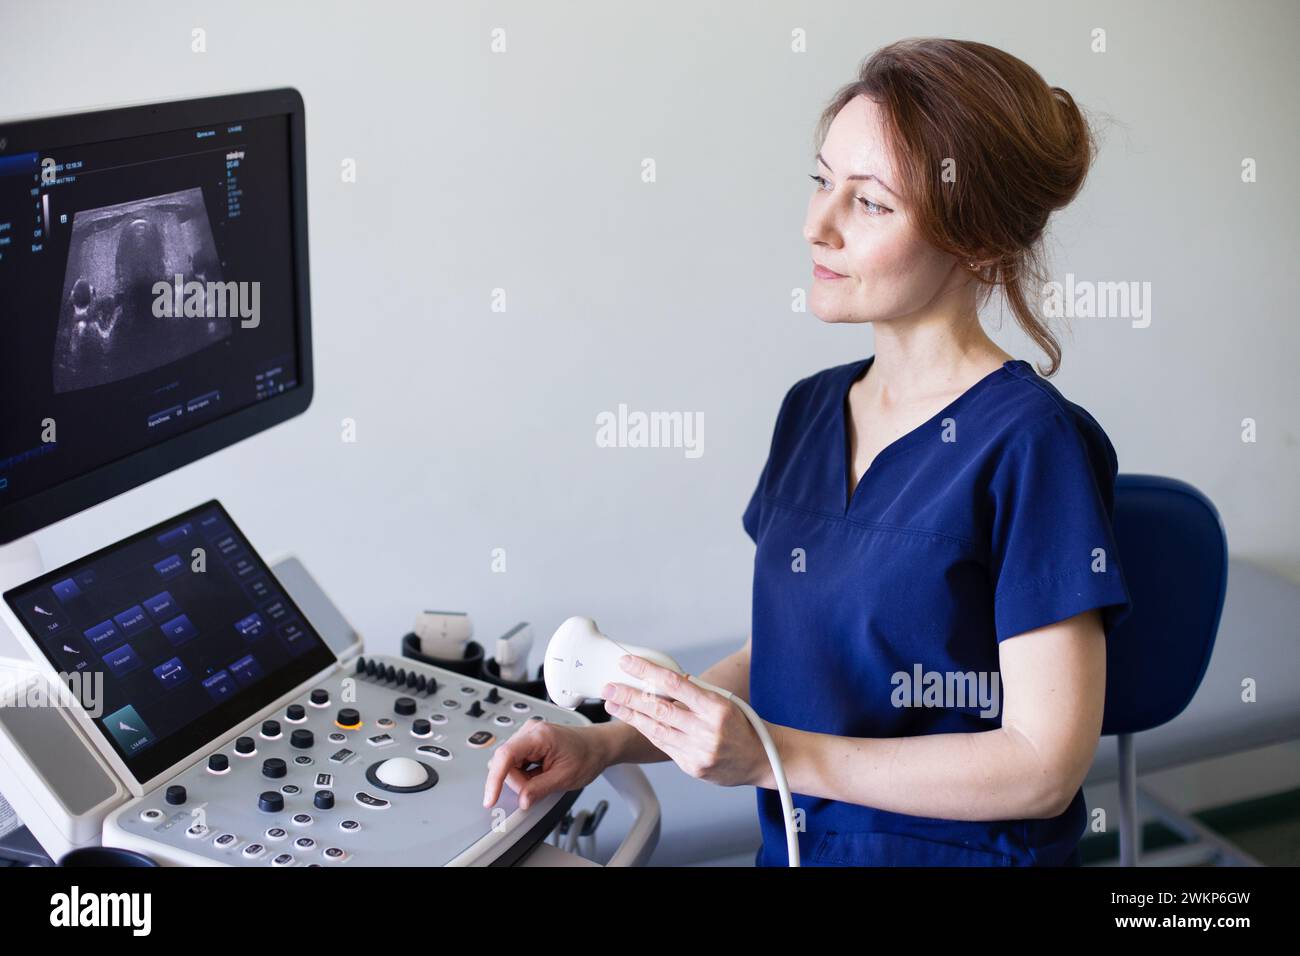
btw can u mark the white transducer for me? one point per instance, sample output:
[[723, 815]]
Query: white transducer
[[580, 661]]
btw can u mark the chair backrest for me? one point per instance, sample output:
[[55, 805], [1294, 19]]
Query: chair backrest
[[1174, 556]]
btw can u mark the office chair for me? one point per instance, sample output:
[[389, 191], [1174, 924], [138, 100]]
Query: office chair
[[1174, 555]]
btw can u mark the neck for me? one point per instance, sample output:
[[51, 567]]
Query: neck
[[935, 352]]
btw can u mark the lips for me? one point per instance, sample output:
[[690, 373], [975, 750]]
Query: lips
[[821, 272]]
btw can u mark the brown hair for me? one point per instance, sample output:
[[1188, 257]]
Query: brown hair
[[1021, 149]]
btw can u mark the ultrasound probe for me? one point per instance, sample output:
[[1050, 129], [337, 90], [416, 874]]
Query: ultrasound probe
[[580, 661]]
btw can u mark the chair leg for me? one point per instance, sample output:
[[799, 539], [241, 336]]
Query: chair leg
[[1129, 830], [1214, 848]]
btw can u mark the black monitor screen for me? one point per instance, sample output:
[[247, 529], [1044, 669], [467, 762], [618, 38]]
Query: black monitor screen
[[148, 288], [190, 630]]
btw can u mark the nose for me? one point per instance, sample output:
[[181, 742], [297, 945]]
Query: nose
[[819, 225]]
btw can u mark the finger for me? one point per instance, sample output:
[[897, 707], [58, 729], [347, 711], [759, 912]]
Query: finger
[[521, 782], [668, 739], [517, 752], [665, 710], [667, 682], [532, 787]]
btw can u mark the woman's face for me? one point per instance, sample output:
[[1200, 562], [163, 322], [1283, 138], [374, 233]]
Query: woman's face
[[862, 231]]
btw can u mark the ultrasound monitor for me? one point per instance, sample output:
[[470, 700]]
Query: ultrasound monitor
[[153, 294], [174, 648]]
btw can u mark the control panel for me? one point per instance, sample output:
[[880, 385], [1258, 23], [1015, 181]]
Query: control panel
[[381, 763]]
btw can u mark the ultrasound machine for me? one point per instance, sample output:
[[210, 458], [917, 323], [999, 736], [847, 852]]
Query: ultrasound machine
[[173, 693]]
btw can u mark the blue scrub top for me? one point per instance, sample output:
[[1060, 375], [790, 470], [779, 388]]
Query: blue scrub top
[[875, 615]]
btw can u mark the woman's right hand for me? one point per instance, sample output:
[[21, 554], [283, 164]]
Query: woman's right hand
[[570, 758]]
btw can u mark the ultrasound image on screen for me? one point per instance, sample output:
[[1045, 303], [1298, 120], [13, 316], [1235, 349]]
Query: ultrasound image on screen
[[107, 328]]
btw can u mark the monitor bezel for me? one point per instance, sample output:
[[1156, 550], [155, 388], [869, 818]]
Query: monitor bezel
[[29, 514]]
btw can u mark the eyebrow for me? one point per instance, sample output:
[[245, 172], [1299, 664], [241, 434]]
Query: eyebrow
[[859, 175]]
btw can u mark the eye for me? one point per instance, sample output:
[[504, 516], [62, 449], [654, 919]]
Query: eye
[[873, 208]]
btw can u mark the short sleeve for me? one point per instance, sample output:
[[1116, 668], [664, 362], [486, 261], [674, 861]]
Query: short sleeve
[[754, 510], [1053, 552]]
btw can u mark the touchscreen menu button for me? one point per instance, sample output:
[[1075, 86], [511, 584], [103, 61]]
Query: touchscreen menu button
[[122, 661], [179, 630]]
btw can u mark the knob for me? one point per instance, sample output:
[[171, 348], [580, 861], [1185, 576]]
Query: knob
[[348, 717], [420, 726], [412, 679], [301, 739], [270, 801], [295, 712], [270, 728], [176, 795], [404, 706], [475, 709], [324, 800], [273, 767], [390, 674], [320, 696], [218, 763], [371, 668], [401, 676], [421, 683], [493, 696], [361, 666], [245, 745]]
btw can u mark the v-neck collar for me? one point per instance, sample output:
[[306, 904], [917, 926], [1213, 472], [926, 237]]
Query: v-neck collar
[[855, 372]]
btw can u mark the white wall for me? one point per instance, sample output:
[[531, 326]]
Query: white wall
[[521, 171]]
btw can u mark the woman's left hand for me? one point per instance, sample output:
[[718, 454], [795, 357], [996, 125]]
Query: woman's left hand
[[702, 732]]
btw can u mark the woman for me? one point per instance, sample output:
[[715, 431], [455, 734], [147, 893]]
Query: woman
[[935, 571]]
